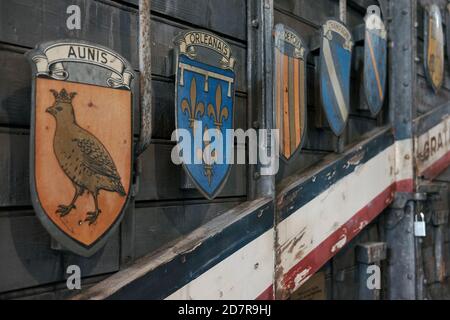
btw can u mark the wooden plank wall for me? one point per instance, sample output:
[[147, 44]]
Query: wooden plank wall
[[306, 17], [29, 268], [342, 272], [436, 286], [163, 211], [426, 98]]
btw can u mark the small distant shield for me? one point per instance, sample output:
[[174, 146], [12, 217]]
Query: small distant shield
[[375, 58], [434, 46], [335, 65], [289, 90], [81, 142], [205, 90]]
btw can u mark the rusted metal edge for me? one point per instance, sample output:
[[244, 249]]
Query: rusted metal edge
[[145, 69], [343, 10]]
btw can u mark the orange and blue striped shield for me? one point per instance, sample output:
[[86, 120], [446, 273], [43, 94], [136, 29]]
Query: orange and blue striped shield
[[290, 90]]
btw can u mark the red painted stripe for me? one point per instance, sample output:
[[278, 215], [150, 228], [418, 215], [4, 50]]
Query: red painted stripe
[[437, 168], [325, 251], [405, 186], [329, 248], [267, 295]]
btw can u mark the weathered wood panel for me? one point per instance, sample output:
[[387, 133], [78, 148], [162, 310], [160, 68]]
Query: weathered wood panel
[[206, 14], [46, 20], [303, 160], [160, 180], [15, 97], [158, 226], [14, 166], [164, 110], [108, 25], [163, 33], [155, 222], [427, 99], [28, 260], [306, 17], [316, 12], [15, 89]]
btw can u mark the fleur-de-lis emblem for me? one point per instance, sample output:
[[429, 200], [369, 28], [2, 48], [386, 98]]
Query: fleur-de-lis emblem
[[208, 165], [193, 109], [218, 113]]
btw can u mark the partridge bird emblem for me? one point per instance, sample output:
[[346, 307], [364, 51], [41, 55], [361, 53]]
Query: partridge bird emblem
[[82, 157]]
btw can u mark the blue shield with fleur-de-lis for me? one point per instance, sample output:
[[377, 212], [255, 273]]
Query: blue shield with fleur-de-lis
[[205, 88]]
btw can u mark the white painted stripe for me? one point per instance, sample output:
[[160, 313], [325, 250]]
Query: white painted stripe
[[334, 79], [312, 224], [433, 145], [237, 278], [244, 275], [404, 168]]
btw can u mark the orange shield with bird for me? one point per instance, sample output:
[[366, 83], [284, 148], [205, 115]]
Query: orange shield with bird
[[82, 142]]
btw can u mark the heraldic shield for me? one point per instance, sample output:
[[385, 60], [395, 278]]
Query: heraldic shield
[[81, 142], [335, 65], [205, 89], [375, 60], [290, 56], [434, 46]]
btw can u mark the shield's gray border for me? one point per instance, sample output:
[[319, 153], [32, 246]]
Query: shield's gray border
[[426, 22], [320, 75], [66, 241], [177, 54], [305, 129], [385, 80]]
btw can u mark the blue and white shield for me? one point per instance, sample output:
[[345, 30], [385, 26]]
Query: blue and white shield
[[375, 60], [335, 65], [205, 89]]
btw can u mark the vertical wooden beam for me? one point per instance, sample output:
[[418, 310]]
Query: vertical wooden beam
[[145, 69], [260, 18], [128, 227], [343, 10], [260, 75], [402, 271]]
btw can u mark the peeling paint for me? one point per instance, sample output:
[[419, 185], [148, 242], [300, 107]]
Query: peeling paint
[[291, 244], [340, 244], [361, 226], [302, 277], [356, 160], [331, 175]]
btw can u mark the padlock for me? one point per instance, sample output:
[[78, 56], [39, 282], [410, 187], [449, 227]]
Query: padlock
[[420, 228]]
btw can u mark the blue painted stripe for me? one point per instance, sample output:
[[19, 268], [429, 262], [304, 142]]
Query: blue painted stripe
[[315, 185], [185, 268], [430, 120], [172, 276]]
